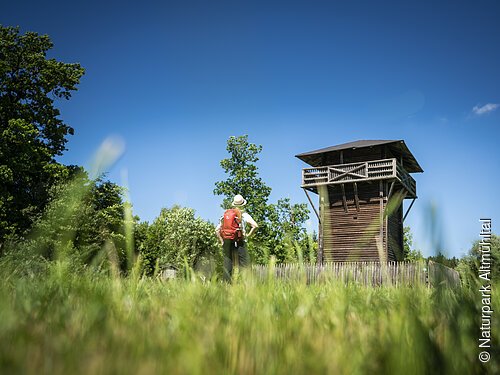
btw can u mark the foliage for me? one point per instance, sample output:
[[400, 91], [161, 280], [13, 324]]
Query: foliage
[[177, 237], [444, 260], [84, 221], [140, 234], [279, 223], [412, 254], [31, 132], [71, 321], [409, 252], [308, 245], [469, 265], [285, 227], [243, 178]]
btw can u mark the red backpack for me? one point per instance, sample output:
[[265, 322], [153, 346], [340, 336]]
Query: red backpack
[[231, 225]]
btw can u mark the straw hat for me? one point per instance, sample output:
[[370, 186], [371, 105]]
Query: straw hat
[[239, 201]]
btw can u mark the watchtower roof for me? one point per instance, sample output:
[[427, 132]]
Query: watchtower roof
[[398, 147]]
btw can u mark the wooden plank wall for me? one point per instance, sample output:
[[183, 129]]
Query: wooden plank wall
[[353, 235], [395, 234]]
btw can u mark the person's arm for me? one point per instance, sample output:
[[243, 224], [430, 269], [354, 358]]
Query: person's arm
[[250, 221], [217, 232]]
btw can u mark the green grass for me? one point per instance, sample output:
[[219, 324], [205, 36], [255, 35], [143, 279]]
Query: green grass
[[67, 321]]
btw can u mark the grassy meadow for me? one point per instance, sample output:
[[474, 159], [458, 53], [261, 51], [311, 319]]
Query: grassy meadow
[[66, 319]]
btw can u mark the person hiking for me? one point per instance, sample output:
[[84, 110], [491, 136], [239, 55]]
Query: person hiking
[[232, 234]]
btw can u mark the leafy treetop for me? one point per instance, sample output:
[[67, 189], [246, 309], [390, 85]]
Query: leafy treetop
[[29, 83], [243, 177], [280, 223], [31, 132]]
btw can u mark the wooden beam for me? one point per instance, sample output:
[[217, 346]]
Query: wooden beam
[[350, 173], [356, 198], [386, 236], [408, 210], [401, 231], [381, 222], [390, 190], [344, 200], [312, 205], [321, 234], [321, 245]]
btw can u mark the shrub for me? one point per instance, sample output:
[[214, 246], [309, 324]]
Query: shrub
[[177, 238]]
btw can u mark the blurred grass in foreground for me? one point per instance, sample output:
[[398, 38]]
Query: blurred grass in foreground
[[69, 320]]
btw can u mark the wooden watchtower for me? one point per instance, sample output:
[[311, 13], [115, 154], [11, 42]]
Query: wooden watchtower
[[361, 187]]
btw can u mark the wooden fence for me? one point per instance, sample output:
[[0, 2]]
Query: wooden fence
[[365, 273], [440, 274]]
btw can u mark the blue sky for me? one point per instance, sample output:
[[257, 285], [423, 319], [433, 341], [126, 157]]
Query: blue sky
[[176, 79]]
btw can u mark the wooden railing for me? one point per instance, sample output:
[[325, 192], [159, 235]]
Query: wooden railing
[[358, 172]]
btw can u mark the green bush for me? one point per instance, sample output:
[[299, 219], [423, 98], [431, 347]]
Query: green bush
[[469, 265], [177, 239], [84, 222]]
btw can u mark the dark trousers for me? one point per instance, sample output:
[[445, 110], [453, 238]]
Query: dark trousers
[[235, 254]]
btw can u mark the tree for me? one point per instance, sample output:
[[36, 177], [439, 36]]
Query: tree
[[468, 266], [175, 237], [83, 222], [444, 260], [277, 222], [243, 177], [410, 253], [31, 132], [97, 217], [286, 228]]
